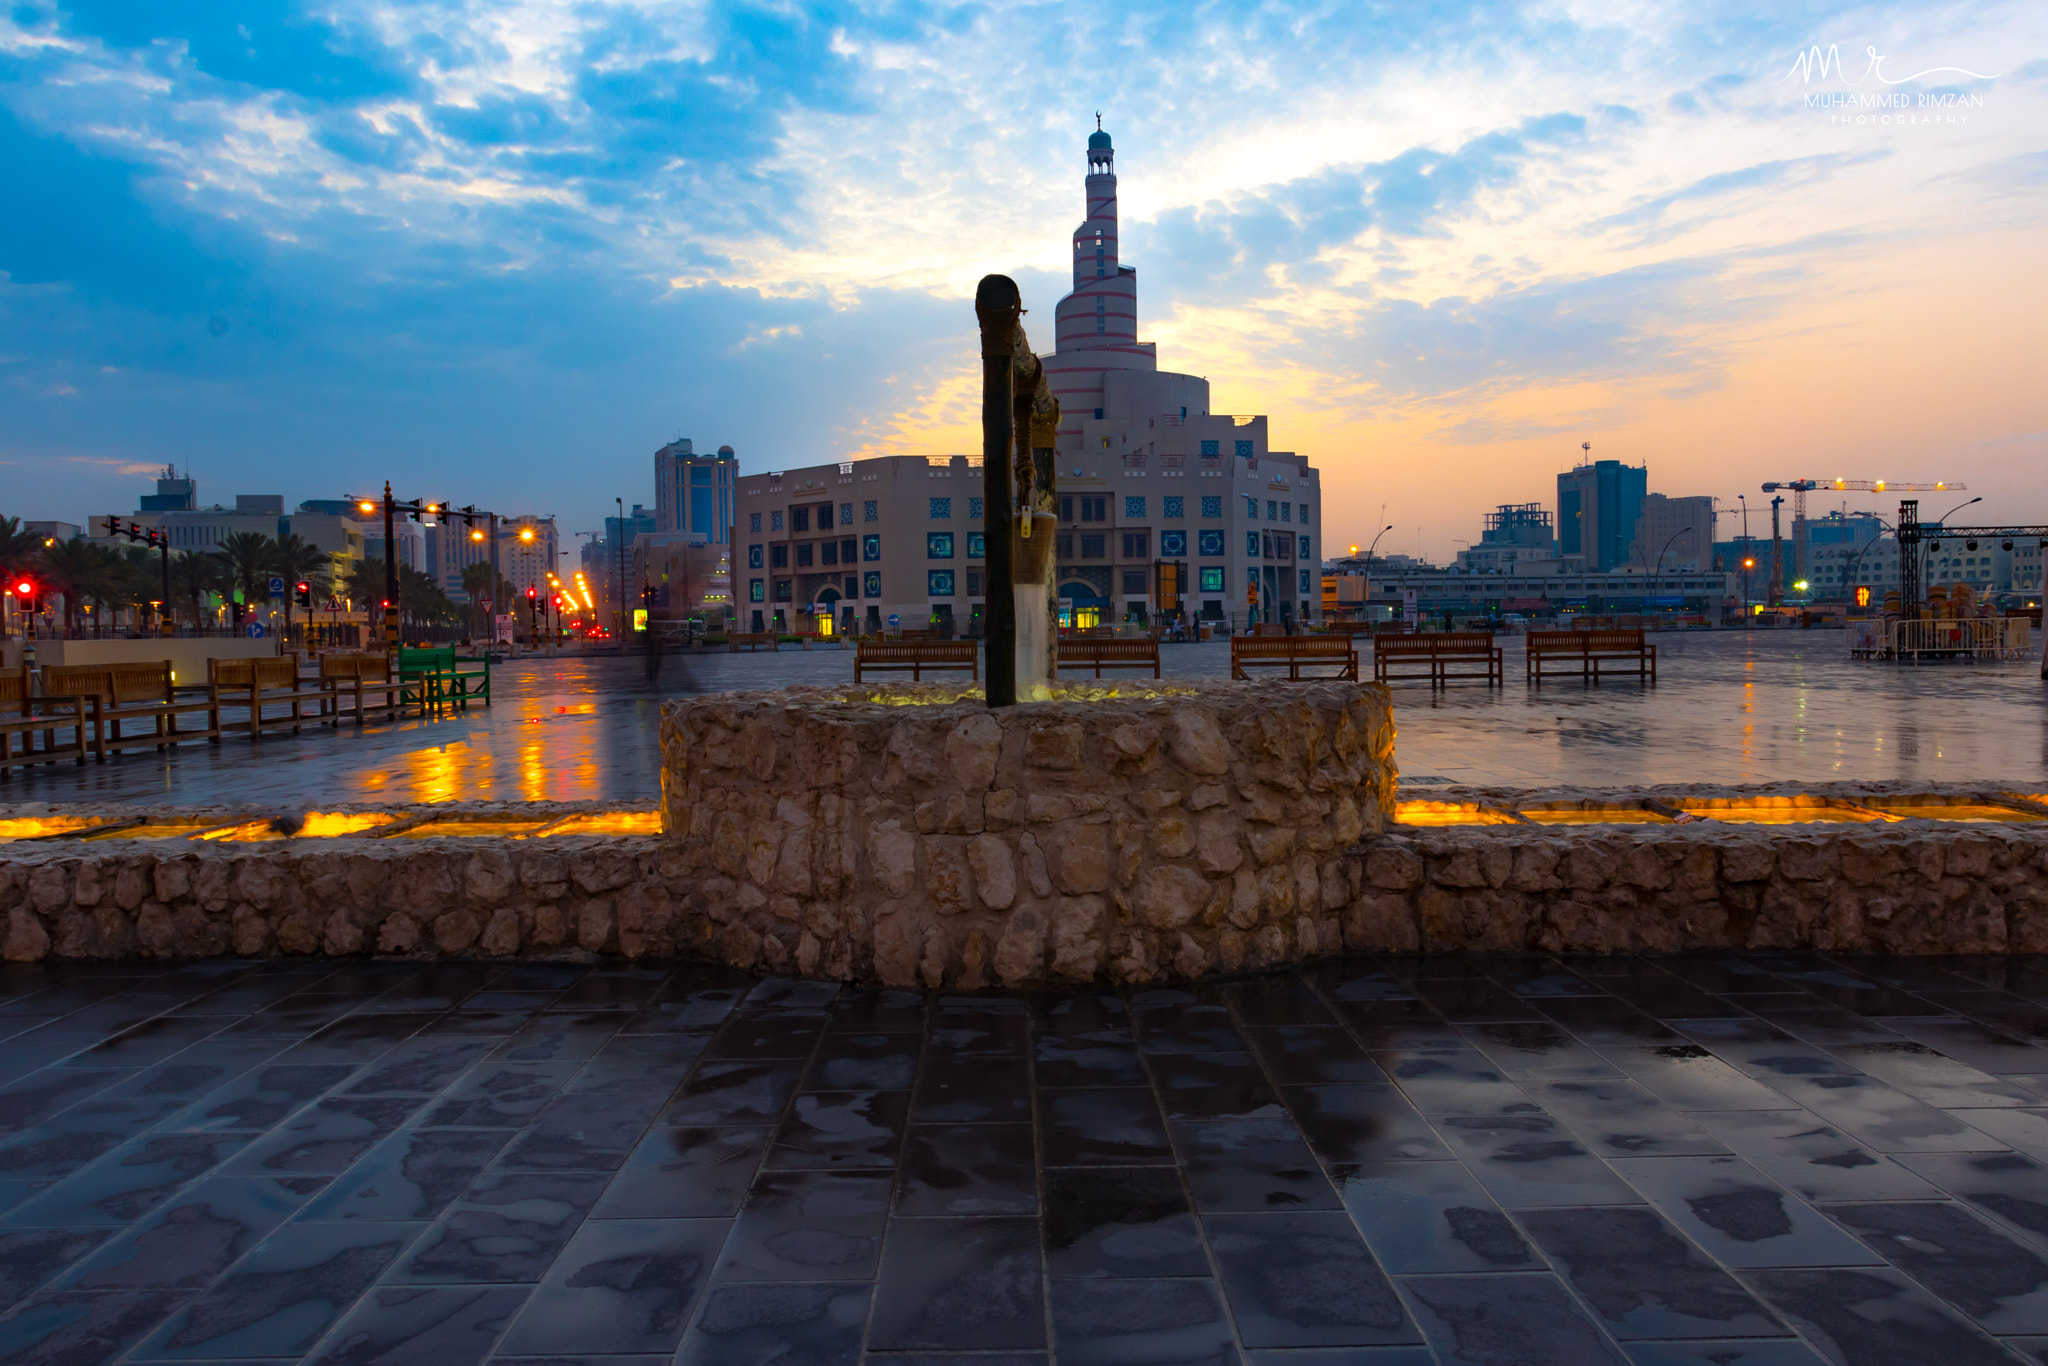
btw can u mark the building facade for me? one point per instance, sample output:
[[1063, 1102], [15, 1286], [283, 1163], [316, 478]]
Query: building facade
[[695, 493], [1676, 533], [1597, 507], [1513, 534]]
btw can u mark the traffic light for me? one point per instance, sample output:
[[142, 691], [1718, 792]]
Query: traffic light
[[305, 593], [529, 594]]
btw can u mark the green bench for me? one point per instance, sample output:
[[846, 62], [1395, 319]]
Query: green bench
[[438, 679]]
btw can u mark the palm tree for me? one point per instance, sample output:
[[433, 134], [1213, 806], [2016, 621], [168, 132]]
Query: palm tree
[[297, 560], [20, 553], [194, 574], [247, 557], [73, 568]]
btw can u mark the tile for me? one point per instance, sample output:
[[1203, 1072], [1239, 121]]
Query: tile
[[423, 1326], [1740, 1217], [1343, 1356], [1997, 1281], [327, 1136], [819, 1325], [1064, 1060], [282, 1297], [72, 1328], [558, 1036], [1620, 1118], [1688, 1077], [1430, 1217], [983, 1025], [506, 1229], [260, 1099], [2010, 1186], [1757, 1048], [1362, 1124], [790, 1036], [1971, 1043], [1470, 997], [959, 1285], [1084, 1014], [1606, 1023], [1120, 1222], [129, 1182], [961, 1170], [864, 1062], [1110, 1323], [1873, 1317], [587, 1130], [685, 1174], [1457, 1081], [876, 1011], [1101, 1127], [1505, 1320], [809, 1226], [414, 1174], [1213, 1086], [499, 1095], [1188, 1028], [29, 1102], [192, 1240], [841, 1129], [734, 1093], [1933, 1077], [1530, 1160], [622, 1285], [1303, 1055], [972, 1089], [1887, 1120], [356, 1039], [1815, 1161], [2026, 1130], [1279, 1002], [1724, 1352], [418, 1067], [1642, 1279], [1304, 1279], [1536, 1050], [30, 1258], [1257, 1164]]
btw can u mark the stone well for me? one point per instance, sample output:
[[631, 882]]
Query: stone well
[[912, 836]]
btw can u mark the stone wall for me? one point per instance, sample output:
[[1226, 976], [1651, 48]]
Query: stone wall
[[1147, 831]]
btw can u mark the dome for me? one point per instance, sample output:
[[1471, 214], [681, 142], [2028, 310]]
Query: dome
[[1098, 141], [725, 450]]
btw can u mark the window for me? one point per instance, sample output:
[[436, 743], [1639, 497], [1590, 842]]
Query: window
[[1134, 582], [1251, 544], [1212, 507], [775, 520], [1134, 508], [1212, 578], [1272, 511], [1212, 448], [754, 522], [828, 552], [756, 590], [1304, 582], [803, 556], [1304, 514], [778, 556], [1170, 507], [1063, 545], [938, 545], [1095, 509], [1244, 448], [1286, 512], [782, 590], [1303, 546], [1066, 509], [975, 580], [871, 548], [846, 550], [871, 511], [938, 583], [942, 510], [977, 545], [1137, 545], [852, 586], [753, 557], [974, 509], [873, 586], [1091, 545], [846, 514], [1251, 508], [1211, 542], [824, 517], [1173, 543]]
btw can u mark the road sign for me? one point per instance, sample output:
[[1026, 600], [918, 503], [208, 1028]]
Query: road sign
[[276, 586], [895, 620], [255, 630]]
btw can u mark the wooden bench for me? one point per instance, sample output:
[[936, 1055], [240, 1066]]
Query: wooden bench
[[358, 676], [753, 640], [915, 657], [19, 709], [436, 680], [1292, 652], [1109, 654], [1584, 652], [140, 691], [269, 681], [1441, 657]]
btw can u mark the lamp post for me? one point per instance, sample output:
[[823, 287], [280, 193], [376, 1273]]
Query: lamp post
[[1658, 572], [1748, 563], [1368, 561], [619, 602]]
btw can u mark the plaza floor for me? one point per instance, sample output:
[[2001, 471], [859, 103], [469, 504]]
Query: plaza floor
[[1729, 707], [1515, 1161]]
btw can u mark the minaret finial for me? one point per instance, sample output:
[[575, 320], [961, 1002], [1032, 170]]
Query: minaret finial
[[1098, 120]]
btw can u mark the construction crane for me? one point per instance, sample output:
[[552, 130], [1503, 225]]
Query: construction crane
[[1799, 488]]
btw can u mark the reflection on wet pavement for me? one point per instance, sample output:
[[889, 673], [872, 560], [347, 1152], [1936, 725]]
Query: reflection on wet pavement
[[1384, 1161], [1730, 708]]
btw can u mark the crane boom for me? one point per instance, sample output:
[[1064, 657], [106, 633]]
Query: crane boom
[[1799, 488]]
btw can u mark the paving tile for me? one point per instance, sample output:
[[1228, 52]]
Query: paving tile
[[30, 1258], [1969, 1042], [259, 1100], [1120, 1222], [1362, 1124], [685, 1174], [1530, 1160], [1686, 1076], [1255, 1164], [1724, 1352], [1310, 1055], [1606, 1022], [962, 1170], [281, 1298], [418, 1067], [1813, 1160], [1642, 1279], [423, 1326], [841, 1129], [72, 1328], [499, 1095], [1738, 1215], [876, 1012], [129, 1182], [1933, 1077], [1506, 1320], [1994, 1279], [1620, 1118], [192, 1240], [587, 1130], [1079, 1060], [734, 1093], [1101, 1127], [1109, 1323], [959, 1285], [1872, 1316], [1543, 1050], [414, 1174], [1887, 1120], [506, 1228], [864, 1062], [1304, 1279], [972, 1089], [1213, 1086], [821, 1325], [2010, 1186], [1431, 1217], [809, 1226], [327, 1136], [621, 1286], [1457, 1080]]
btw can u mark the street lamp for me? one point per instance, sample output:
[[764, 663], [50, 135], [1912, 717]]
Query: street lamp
[[1659, 570], [1748, 563], [1368, 560]]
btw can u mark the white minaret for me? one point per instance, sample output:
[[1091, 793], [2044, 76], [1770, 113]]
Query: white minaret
[[1095, 328]]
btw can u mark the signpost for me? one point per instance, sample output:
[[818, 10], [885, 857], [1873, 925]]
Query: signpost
[[276, 587]]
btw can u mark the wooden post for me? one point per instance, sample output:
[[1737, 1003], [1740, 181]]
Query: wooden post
[[998, 306]]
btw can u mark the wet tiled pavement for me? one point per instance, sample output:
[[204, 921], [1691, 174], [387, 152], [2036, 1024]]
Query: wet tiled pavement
[[1729, 707], [1509, 1161]]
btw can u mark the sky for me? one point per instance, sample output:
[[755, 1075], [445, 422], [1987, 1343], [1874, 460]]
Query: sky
[[498, 253]]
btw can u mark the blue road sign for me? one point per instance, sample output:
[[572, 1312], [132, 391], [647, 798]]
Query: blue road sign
[[895, 620], [255, 630], [276, 586]]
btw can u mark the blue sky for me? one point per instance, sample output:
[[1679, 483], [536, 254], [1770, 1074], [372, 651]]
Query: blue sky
[[501, 252]]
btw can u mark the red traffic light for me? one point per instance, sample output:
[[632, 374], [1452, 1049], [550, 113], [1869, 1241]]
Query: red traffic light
[[305, 587], [529, 592], [25, 589]]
